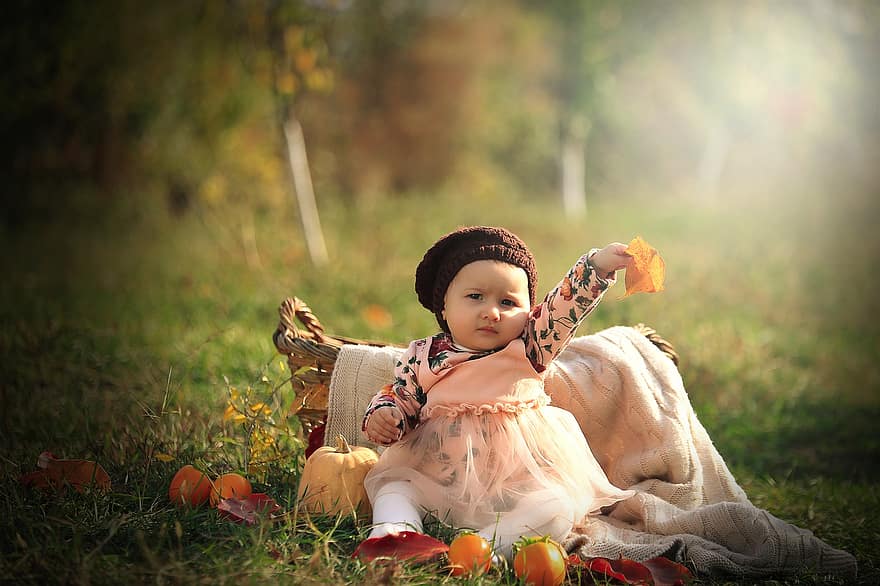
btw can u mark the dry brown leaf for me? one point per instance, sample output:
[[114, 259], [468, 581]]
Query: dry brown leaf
[[56, 474], [248, 510], [647, 271]]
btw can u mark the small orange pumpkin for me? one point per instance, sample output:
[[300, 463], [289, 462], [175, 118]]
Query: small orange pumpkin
[[230, 485], [540, 561], [189, 486], [469, 554], [332, 479]]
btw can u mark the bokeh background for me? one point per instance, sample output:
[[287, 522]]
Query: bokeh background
[[159, 160], [185, 102]]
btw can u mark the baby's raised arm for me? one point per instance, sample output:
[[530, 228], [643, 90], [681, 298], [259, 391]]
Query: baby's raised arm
[[612, 257]]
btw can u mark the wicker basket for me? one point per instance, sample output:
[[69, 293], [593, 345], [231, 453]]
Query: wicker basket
[[311, 354]]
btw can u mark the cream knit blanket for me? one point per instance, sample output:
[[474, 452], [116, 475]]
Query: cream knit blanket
[[631, 404]]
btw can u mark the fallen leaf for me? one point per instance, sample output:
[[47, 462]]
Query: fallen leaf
[[667, 572], [55, 474], [377, 316], [647, 271], [406, 545], [657, 571], [622, 570], [248, 511], [164, 457], [316, 438]]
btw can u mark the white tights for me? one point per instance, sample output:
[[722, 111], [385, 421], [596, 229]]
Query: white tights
[[394, 510], [540, 513], [544, 512]]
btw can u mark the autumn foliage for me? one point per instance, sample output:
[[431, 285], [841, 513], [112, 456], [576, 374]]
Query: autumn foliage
[[56, 474], [647, 271]]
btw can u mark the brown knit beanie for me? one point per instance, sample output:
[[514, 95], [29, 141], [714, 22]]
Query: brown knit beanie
[[449, 254]]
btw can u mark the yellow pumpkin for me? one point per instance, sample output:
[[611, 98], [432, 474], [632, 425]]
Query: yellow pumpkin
[[332, 479]]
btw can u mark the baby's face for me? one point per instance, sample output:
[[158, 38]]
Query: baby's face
[[487, 304]]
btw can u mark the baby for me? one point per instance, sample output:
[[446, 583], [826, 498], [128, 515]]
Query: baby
[[471, 436]]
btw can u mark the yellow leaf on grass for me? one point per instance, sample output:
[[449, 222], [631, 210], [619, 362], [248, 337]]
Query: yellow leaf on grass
[[647, 271], [164, 457]]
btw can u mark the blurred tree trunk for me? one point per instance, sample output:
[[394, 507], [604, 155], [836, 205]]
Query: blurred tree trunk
[[303, 190], [295, 36], [592, 39], [574, 103], [572, 165], [713, 159]]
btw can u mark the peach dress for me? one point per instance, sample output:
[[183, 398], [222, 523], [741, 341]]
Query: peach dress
[[488, 439], [481, 443]]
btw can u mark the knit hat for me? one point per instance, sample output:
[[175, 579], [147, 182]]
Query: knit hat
[[449, 254]]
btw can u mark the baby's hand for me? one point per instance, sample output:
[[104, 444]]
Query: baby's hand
[[385, 425], [611, 258]]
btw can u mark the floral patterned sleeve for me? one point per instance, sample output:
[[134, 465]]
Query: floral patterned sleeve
[[554, 321], [405, 393]]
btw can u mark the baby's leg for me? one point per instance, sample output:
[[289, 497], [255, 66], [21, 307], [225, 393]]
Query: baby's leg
[[395, 510], [545, 512]]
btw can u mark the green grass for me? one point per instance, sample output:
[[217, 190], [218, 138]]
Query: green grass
[[120, 331]]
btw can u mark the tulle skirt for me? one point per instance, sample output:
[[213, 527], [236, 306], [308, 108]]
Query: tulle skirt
[[471, 469]]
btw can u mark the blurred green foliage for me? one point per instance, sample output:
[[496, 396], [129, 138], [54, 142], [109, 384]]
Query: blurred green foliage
[[186, 100]]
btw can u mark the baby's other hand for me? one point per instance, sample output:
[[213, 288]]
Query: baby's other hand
[[611, 258], [385, 425]]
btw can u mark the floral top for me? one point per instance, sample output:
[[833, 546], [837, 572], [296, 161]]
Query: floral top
[[549, 329]]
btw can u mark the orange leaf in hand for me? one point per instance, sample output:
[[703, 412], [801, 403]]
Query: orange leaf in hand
[[647, 271]]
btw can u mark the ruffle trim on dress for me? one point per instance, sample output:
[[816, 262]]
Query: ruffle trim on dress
[[485, 408]]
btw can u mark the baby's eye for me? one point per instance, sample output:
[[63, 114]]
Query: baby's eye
[[508, 302], [476, 296]]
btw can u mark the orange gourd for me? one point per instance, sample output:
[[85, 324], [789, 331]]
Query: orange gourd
[[469, 554], [540, 562], [332, 480], [230, 485], [189, 486]]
